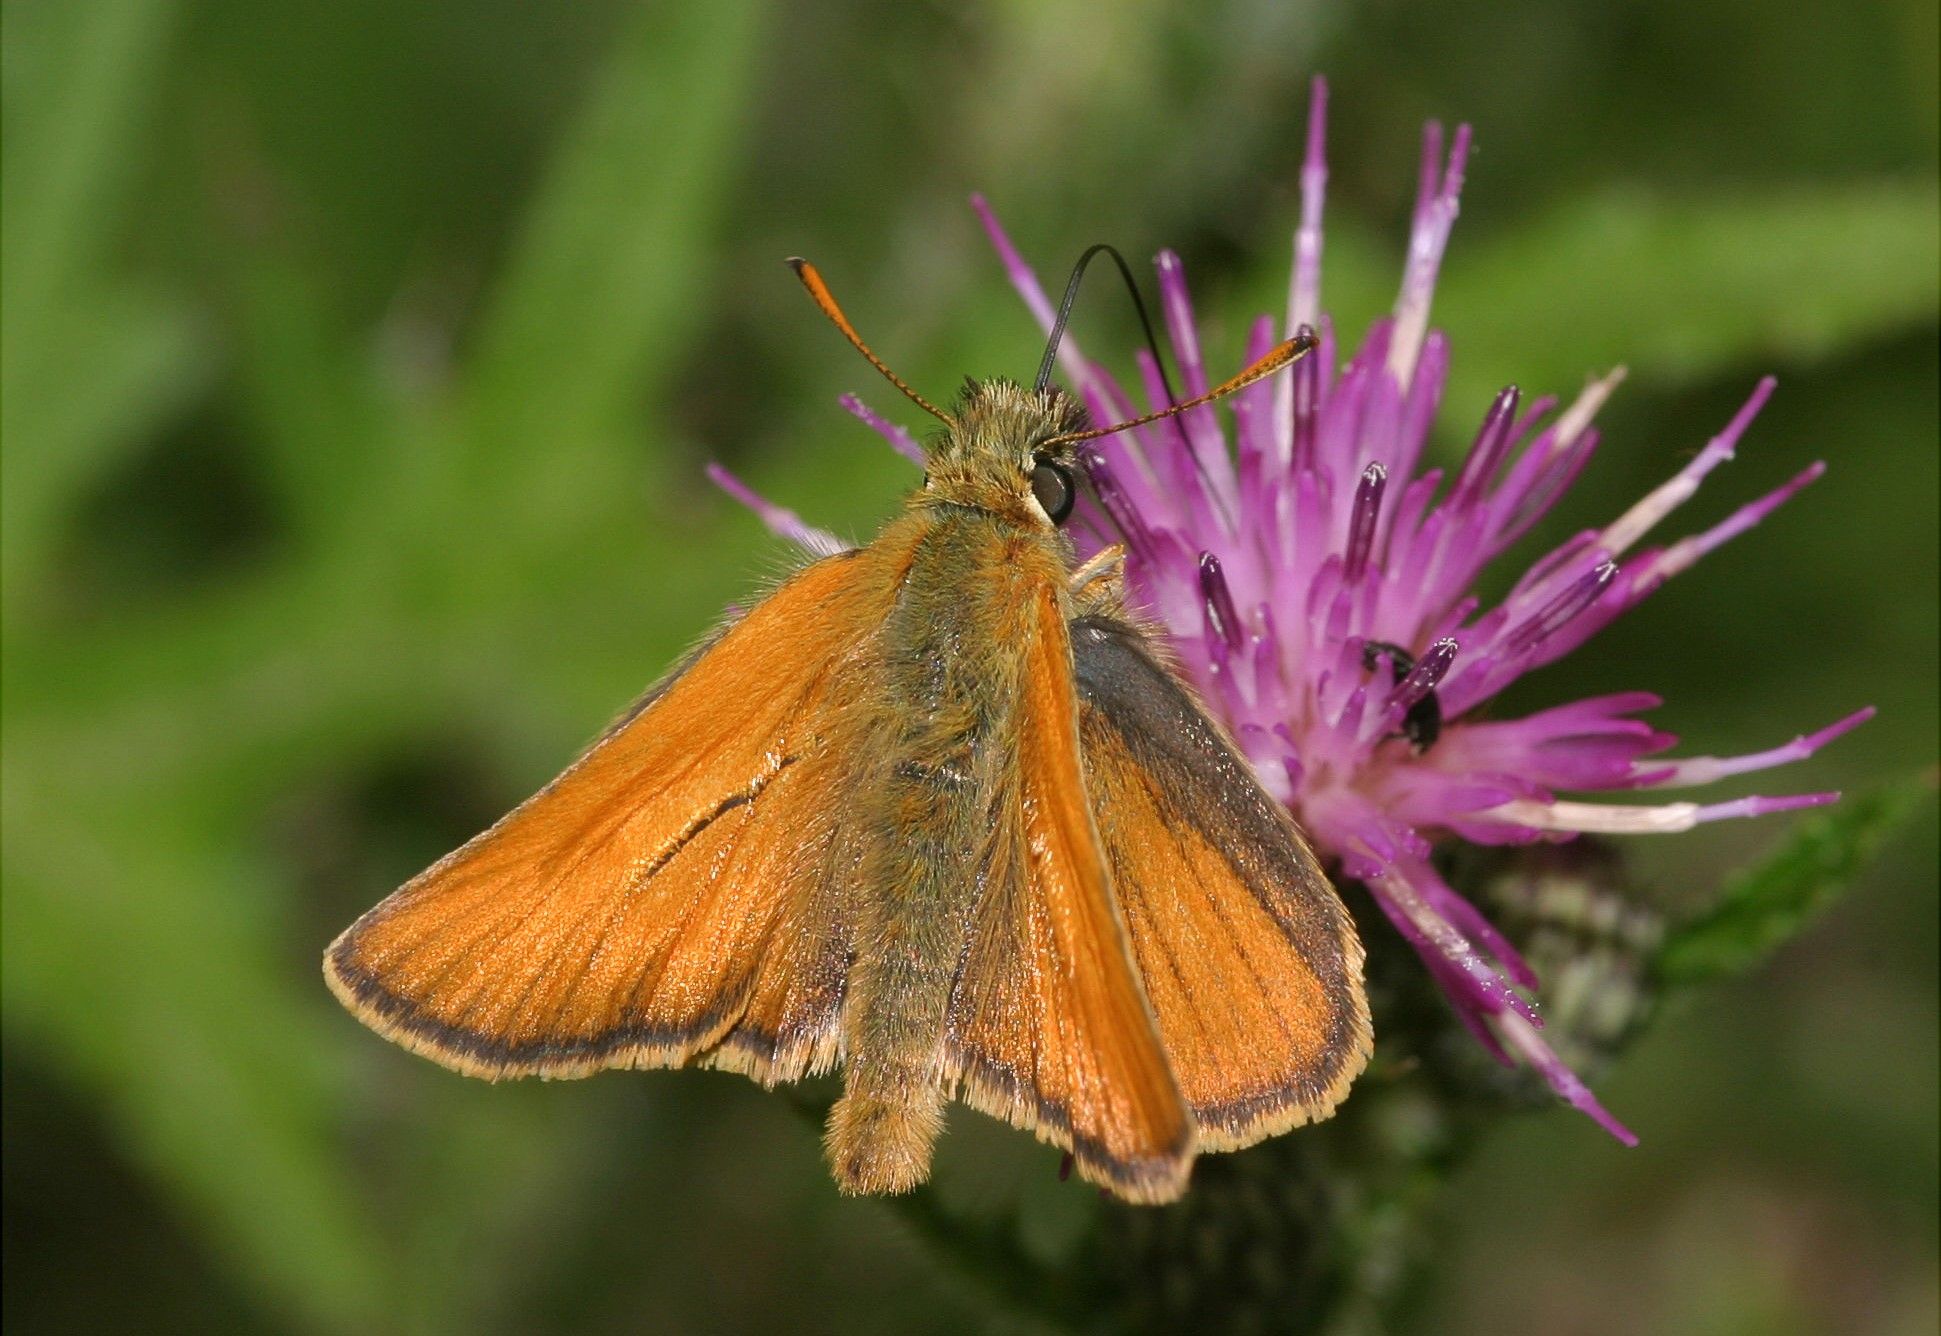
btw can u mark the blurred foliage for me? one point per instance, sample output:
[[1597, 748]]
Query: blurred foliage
[[1764, 907], [357, 363]]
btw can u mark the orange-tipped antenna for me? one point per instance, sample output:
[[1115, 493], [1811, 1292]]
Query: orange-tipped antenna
[[820, 292], [1285, 355]]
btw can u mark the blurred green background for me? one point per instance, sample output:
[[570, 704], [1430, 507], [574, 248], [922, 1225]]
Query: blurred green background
[[360, 364]]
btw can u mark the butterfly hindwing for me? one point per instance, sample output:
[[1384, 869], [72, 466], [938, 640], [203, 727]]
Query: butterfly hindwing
[[1248, 956]]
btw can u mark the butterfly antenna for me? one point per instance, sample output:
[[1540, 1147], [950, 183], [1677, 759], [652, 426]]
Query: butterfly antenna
[[1283, 355], [1050, 358], [1152, 344], [819, 291]]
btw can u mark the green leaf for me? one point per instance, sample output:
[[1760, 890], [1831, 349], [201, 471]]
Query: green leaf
[[614, 251], [107, 367], [1686, 289], [73, 130], [1768, 905], [172, 1010], [1679, 289], [84, 364], [318, 401]]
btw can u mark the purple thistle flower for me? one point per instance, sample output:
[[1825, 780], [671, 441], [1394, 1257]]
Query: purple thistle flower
[[1315, 579]]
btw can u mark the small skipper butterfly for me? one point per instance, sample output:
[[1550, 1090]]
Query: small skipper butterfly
[[935, 812]]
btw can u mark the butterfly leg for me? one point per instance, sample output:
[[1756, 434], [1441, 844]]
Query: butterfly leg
[[1099, 584]]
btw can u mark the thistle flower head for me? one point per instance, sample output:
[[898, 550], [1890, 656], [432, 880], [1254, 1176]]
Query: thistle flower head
[[1316, 577]]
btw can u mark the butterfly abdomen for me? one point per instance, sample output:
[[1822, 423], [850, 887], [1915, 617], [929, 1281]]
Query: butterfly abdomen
[[928, 809]]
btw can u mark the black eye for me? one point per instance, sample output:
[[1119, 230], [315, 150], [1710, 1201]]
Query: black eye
[[1051, 484]]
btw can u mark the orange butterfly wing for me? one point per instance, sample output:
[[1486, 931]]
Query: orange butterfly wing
[[1049, 1026], [1248, 955], [678, 894]]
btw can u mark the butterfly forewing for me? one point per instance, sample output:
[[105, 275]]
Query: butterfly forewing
[[677, 895], [1049, 1024], [1252, 966]]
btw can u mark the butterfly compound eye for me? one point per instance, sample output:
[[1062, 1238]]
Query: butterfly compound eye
[[1051, 484]]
